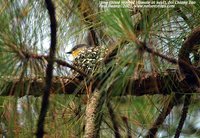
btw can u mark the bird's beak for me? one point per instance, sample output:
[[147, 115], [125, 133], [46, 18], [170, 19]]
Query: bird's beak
[[70, 52]]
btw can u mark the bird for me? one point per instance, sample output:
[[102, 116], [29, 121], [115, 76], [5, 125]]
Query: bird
[[87, 58], [75, 51]]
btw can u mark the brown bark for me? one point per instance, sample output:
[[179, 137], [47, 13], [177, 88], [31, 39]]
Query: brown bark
[[148, 85]]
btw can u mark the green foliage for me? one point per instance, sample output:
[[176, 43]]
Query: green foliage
[[118, 21], [25, 29]]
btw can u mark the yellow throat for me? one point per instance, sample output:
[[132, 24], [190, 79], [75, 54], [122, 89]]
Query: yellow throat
[[76, 52]]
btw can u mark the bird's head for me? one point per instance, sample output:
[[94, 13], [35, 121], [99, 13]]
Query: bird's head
[[76, 50]]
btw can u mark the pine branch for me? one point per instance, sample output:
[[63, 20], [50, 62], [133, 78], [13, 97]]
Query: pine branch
[[185, 67], [183, 16], [187, 101], [136, 87], [125, 119], [190, 74], [162, 116], [58, 61], [184, 54], [193, 38], [88, 15], [49, 71], [113, 120]]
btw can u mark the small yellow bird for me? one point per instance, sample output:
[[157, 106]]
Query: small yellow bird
[[76, 50], [86, 57]]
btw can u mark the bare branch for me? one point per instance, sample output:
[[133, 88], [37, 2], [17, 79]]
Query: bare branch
[[187, 101], [49, 70], [113, 120]]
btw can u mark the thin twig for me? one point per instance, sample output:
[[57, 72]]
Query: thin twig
[[125, 120], [183, 116], [113, 120], [182, 62], [59, 62], [64, 63]]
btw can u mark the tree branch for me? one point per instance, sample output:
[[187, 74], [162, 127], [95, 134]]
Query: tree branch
[[113, 120], [49, 70], [166, 83], [59, 62], [187, 101], [162, 116], [191, 78], [128, 129], [184, 54]]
